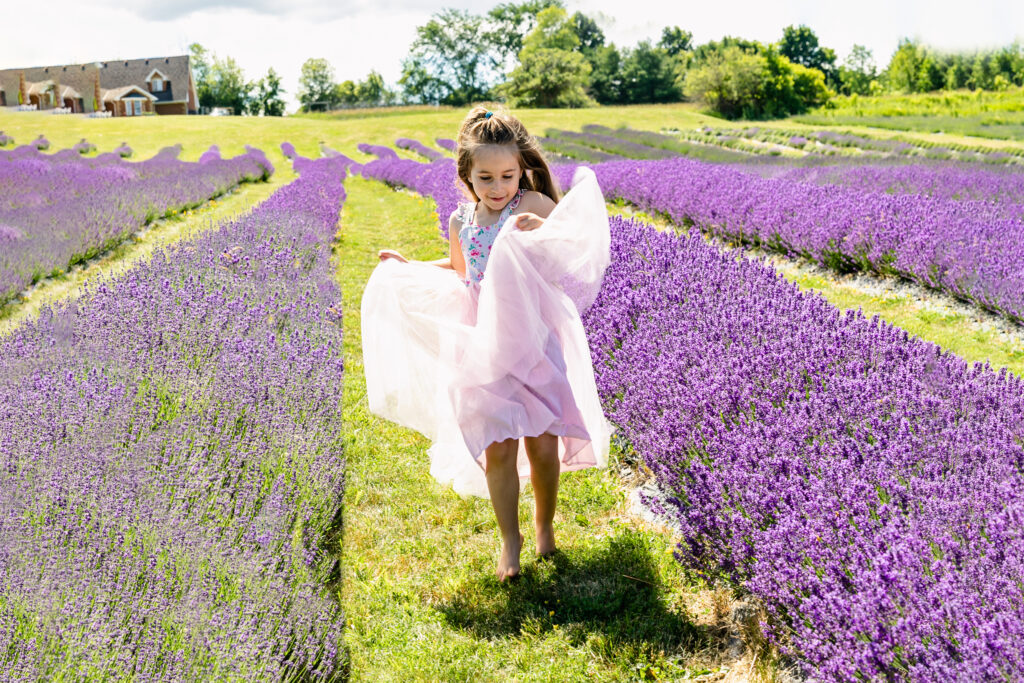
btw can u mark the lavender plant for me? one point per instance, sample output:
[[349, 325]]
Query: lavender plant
[[612, 145], [446, 143], [67, 209], [419, 148], [170, 461], [670, 143], [379, 151]]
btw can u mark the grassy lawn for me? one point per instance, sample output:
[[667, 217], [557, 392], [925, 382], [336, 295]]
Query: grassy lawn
[[998, 115], [418, 569]]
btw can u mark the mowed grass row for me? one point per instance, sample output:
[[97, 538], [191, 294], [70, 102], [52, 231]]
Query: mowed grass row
[[419, 589]]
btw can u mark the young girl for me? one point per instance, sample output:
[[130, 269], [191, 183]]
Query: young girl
[[485, 348]]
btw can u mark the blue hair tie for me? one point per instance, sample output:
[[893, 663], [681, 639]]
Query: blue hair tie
[[488, 114]]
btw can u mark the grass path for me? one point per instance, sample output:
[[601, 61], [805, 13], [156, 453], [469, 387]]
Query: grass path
[[418, 584], [184, 226]]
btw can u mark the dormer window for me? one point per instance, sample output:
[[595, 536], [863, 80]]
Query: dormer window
[[157, 81]]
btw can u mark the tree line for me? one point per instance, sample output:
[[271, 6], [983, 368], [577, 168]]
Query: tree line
[[535, 54]]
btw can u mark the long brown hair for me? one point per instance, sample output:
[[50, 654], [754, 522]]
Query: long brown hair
[[501, 128]]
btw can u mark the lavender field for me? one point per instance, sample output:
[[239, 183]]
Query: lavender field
[[172, 444], [58, 210], [863, 484], [171, 465]]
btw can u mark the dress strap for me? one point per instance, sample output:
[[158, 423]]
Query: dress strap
[[515, 200]]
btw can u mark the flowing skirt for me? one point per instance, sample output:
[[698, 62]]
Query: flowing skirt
[[467, 366]]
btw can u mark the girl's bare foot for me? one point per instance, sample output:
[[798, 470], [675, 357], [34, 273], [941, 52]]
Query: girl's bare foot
[[545, 539], [508, 564]]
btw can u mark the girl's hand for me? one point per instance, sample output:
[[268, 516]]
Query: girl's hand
[[528, 221], [385, 254]]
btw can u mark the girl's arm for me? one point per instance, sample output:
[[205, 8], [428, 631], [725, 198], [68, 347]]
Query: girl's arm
[[456, 261], [536, 207]]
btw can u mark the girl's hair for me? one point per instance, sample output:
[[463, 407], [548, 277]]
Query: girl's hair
[[501, 128]]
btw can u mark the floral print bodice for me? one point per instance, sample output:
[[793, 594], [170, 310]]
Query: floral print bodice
[[477, 240]]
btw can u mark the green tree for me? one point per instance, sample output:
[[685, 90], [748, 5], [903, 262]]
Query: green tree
[[200, 61], [929, 74], [740, 84], [550, 72], [267, 99], [227, 85], [450, 61], [728, 80], [509, 22], [316, 83], [605, 74], [675, 40], [589, 33], [648, 75], [857, 71], [346, 93], [982, 77], [373, 91], [905, 66], [799, 45]]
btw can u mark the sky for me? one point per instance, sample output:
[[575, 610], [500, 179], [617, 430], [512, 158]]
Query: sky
[[356, 36]]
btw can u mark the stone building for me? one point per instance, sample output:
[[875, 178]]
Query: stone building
[[129, 87]]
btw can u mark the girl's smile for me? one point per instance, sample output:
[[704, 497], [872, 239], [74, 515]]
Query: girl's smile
[[495, 175]]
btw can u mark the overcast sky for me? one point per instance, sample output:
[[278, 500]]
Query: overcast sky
[[356, 36]]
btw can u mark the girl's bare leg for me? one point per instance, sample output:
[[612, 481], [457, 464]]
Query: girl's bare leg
[[544, 469], [503, 484]]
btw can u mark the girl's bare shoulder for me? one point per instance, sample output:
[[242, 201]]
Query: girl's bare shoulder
[[536, 202]]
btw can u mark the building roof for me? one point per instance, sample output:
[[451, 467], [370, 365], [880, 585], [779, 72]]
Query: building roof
[[39, 87], [115, 94], [67, 91]]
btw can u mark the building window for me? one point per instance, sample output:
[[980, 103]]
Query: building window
[[137, 105], [157, 85]]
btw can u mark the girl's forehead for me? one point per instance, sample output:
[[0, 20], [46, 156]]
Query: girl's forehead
[[496, 158]]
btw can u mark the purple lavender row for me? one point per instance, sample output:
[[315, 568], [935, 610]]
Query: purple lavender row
[[171, 467], [379, 151], [613, 145], [57, 210], [967, 248], [5, 139], [862, 483], [419, 148], [1001, 185], [446, 143]]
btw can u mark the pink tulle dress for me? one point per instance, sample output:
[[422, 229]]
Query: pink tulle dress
[[470, 362]]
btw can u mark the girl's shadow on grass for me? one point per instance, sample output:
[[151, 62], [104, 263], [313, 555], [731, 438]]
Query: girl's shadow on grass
[[609, 596]]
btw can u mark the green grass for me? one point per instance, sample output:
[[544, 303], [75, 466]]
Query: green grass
[[419, 589], [996, 115]]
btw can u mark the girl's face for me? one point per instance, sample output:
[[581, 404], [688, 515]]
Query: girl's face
[[495, 175]]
